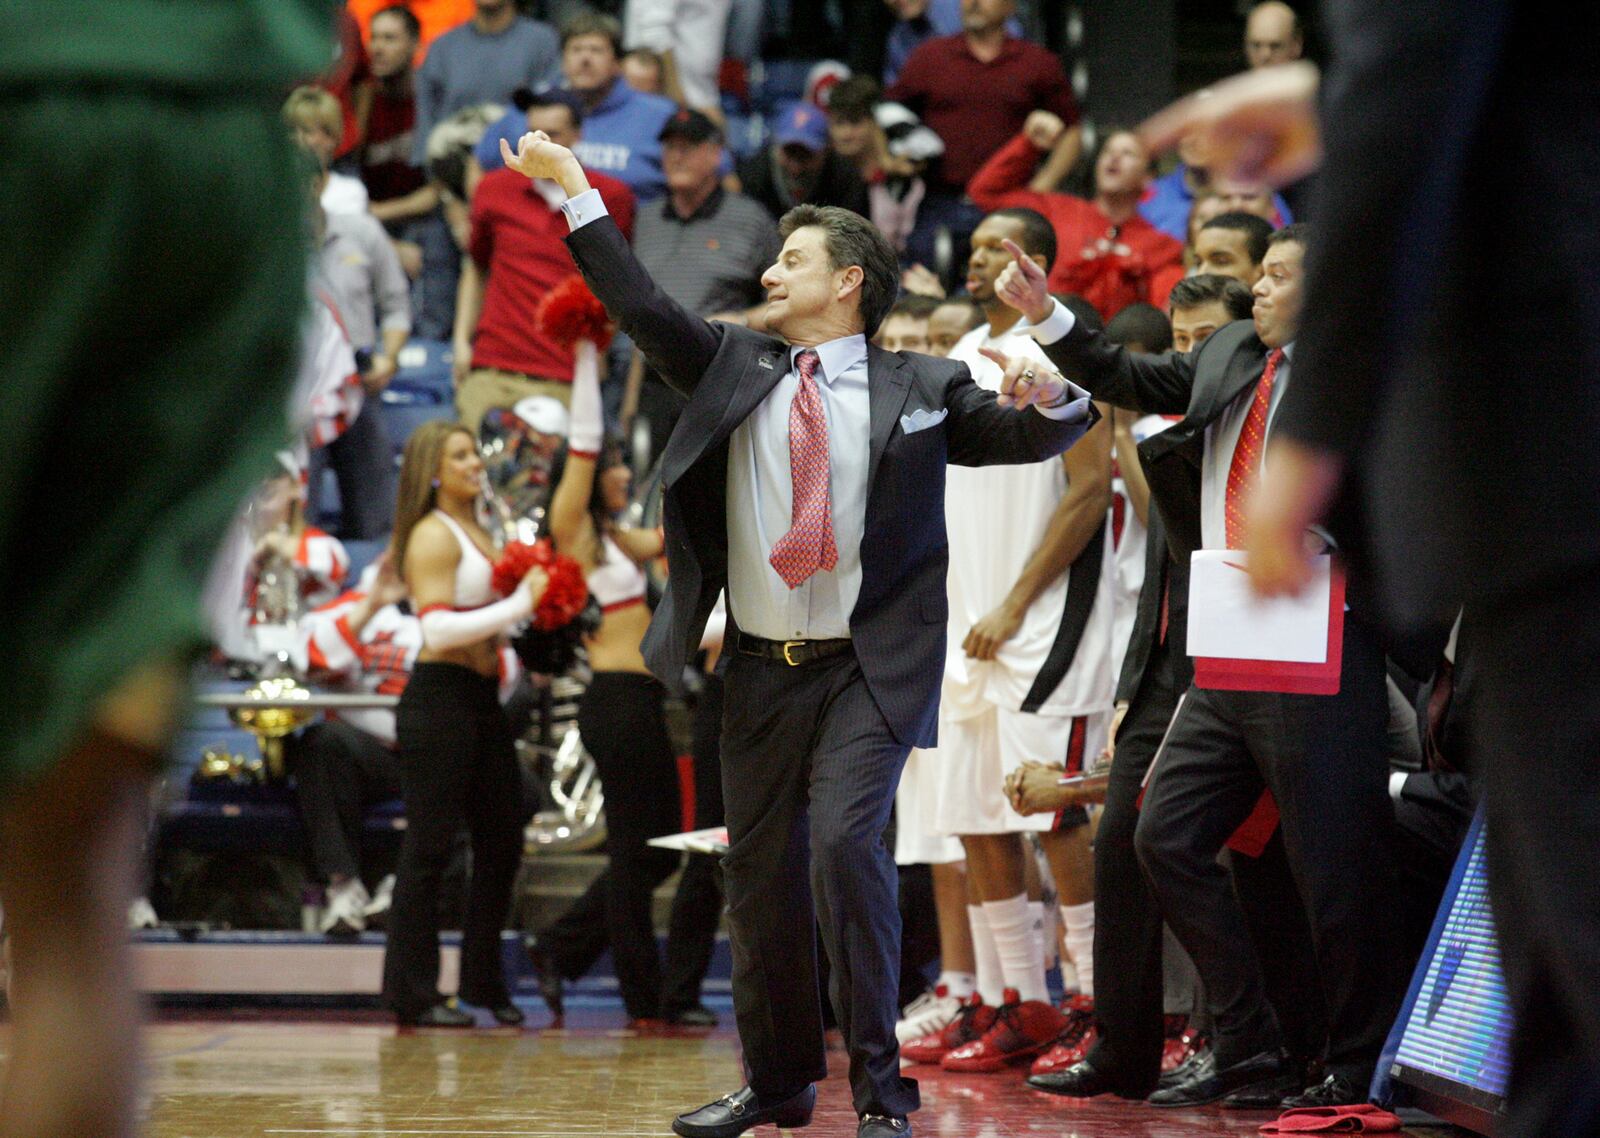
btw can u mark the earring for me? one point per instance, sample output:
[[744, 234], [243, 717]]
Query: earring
[[435, 483]]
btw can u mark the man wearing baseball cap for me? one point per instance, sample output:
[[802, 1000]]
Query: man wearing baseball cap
[[799, 166], [705, 247]]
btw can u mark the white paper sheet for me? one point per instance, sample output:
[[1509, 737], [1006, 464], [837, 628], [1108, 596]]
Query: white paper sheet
[[1227, 621], [712, 841]]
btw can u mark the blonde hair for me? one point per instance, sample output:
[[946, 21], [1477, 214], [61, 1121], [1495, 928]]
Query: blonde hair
[[419, 481], [312, 106]]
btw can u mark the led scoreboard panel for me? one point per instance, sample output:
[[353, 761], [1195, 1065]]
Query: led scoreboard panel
[[1451, 1045]]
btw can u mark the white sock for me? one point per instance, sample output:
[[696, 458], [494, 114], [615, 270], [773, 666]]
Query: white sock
[[958, 984], [1079, 922], [991, 983], [1017, 942], [1045, 925]]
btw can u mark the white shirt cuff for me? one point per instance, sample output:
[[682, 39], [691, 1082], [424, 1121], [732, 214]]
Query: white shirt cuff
[[1397, 784], [583, 209], [1074, 410], [1051, 328]]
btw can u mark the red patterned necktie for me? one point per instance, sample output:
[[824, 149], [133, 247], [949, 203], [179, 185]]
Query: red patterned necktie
[[808, 546], [1247, 453]]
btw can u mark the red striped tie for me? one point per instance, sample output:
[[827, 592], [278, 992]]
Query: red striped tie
[[1247, 453], [808, 546]]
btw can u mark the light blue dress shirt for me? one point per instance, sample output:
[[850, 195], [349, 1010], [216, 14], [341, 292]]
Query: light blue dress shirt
[[760, 502]]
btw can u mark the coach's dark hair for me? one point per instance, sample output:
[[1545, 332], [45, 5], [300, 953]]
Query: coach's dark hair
[[1038, 235], [1299, 233], [853, 240], [1142, 324], [915, 305], [555, 97], [1206, 288], [1257, 231], [589, 23]]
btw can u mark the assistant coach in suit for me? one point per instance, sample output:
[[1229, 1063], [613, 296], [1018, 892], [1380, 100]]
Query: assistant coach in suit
[[1449, 383], [1322, 757], [806, 476]]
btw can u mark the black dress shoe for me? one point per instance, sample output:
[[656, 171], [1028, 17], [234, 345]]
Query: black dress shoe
[[440, 1015], [1081, 1080], [883, 1126], [733, 1114], [551, 986], [1208, 1082], [508, 1014], [1183, 1070], [1268, 1094], [697, 1016], [1335, 1090]]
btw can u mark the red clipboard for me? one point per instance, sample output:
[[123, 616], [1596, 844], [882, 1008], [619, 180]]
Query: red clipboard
[[1279, 675]]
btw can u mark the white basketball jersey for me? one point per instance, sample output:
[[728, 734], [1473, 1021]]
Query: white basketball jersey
[[997, 517]]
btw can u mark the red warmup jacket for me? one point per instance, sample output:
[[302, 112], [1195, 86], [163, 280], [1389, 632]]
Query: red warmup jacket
[[1109, 266]]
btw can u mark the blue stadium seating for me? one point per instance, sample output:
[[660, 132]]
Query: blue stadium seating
[[424, 366], [405, 411]]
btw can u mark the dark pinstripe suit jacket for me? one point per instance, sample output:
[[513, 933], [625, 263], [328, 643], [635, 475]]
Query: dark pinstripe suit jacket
[[899, 620]]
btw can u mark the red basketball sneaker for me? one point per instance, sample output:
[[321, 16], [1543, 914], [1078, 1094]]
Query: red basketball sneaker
[[1076, 1038], [970, 1024], [1021, 1030]]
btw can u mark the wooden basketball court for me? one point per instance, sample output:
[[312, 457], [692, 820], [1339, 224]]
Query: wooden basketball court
[[308, 1075]]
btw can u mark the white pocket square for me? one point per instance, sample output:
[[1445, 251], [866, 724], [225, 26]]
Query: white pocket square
[[921, 419]]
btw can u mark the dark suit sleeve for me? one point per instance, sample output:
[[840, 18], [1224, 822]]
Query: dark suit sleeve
[[1155, 385], [678, 344], [983, 433], [1402, 102]]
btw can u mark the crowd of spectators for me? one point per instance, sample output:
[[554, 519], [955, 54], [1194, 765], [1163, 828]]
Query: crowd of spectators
[[959, 148]]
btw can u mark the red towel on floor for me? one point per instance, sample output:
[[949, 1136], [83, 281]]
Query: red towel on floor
[[1361, 1119]]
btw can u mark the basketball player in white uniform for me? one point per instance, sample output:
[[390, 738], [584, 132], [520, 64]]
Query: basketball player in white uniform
[[1027, 679]]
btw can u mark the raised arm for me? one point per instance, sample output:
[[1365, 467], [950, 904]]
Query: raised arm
[[570, 523], [987, 429], [1003, 181], [1159, 385], [677, 343]]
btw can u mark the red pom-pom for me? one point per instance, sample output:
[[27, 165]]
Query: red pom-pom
[[565, 594], [570, 312]]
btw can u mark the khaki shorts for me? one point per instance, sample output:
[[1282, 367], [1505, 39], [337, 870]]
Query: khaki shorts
[[488, 387]]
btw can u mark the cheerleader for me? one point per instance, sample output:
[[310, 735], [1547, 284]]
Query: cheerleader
[[620, 718], [458, 763]]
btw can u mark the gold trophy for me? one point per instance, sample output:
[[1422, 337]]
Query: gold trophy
[[275, 718]]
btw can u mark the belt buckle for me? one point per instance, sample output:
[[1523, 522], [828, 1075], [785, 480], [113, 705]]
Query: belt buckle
[[788, 644]]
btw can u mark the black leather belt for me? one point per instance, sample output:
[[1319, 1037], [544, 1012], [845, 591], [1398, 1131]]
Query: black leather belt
[[791, 652]]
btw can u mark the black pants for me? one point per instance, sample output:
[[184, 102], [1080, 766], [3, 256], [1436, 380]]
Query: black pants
[[1533, 731], [623, 727], [697, 907], [1323, 758], [809, 769], [1127, 934], [339, 770], [458, 764]]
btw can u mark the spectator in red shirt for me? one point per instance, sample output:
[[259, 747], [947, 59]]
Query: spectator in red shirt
[[386, 107], [1109, 255], [978, 88], [516, 254], [974, 90], [401, 195]]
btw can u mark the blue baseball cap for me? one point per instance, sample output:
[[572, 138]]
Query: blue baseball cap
[[803, 124]]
